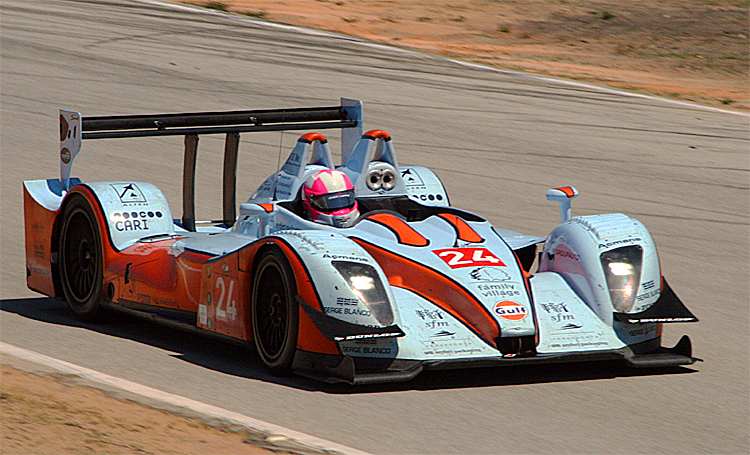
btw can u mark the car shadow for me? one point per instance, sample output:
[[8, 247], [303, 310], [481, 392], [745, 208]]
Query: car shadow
[[241, 360]]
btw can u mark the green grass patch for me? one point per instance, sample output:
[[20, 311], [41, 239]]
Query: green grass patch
[[220, 6]]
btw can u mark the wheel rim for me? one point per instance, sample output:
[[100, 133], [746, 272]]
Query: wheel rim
[[80, 257], [272, 312]]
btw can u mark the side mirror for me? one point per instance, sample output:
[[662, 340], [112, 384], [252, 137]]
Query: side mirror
[[563, 196]]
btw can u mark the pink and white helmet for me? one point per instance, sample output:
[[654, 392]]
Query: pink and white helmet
[[329, 198]]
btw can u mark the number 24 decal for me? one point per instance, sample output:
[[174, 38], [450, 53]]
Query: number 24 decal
[[468, 257], [230, 304]]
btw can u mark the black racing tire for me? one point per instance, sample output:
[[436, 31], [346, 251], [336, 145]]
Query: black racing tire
[[275, 312], [81, 263]]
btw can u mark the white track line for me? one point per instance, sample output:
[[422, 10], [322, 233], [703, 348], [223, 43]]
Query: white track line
[[478, 66], [176, 400]]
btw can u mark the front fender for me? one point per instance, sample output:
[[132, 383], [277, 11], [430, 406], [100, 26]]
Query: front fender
[[574, 249], [322, 252]]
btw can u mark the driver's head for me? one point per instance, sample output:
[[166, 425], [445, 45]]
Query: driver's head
[[329, 198]]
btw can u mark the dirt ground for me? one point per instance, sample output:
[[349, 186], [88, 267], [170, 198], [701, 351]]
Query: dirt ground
[[53, 415], [695, 50]]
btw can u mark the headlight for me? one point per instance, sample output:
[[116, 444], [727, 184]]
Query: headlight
[[622, 268], [364, 282]]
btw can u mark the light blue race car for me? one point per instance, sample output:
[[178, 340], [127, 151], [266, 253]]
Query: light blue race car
[[409, 283]]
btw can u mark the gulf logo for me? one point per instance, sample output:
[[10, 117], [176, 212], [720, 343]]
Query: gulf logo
[[510, 310]]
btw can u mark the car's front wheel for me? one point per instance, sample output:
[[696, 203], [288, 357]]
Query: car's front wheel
[[275, 314]]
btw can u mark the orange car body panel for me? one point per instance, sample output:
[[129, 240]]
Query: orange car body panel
[[437, 288], [39, 225], [156, 275]]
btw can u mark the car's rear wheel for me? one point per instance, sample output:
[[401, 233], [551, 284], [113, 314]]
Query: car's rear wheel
[[275, 314], [80, 259]]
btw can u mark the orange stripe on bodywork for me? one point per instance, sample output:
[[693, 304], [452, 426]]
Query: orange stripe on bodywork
[[309, 137], [309, 338], [567, 190], [463, 230], [405, 234], [267, 207], [377, 134], [437, 288]]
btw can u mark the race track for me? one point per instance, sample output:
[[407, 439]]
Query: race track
[[497, 139]]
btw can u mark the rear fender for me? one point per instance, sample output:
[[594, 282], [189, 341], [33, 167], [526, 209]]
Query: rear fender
[[131, 211], [42, 201], [424, 186]]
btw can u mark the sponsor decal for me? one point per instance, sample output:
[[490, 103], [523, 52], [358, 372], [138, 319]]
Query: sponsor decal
[[165, 302], [134, 221], [367, 336], [648, 330], [129, 193], [554, 307], [619, 242], [40, 271], [579, 344], [510, 310], [648, 295], [428, 197], [444, 333], [346, 301], [202, 314], [639, 321], [463, 351], [648, 285], [565, 253], [468, 257], [644, 307], [65, 155], [432, 318], [365, 350], [489, 274], [345, 310], [429, 314], [558, 312], [570, 326], [284, 227], [503, 290], [411, 178], [338, 257]]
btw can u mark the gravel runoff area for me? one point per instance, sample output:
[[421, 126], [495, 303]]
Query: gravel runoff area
[[694, 50]]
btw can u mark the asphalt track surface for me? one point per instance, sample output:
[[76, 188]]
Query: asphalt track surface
[[497, 139]]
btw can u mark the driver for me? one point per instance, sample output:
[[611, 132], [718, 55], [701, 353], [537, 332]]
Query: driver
[[329, 199]]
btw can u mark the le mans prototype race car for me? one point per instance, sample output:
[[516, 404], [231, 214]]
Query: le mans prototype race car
[[415, 284]]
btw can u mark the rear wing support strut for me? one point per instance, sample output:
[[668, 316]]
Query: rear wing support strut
[[74, 128]]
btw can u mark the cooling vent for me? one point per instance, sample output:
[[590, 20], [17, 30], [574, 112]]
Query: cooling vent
[[608, 226]]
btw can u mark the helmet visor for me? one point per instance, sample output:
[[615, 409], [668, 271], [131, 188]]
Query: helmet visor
[[333, 201]]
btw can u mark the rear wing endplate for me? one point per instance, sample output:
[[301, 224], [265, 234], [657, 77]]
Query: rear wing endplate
[[74, 128]]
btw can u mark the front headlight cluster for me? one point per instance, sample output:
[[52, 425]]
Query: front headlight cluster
[[364, 281], [622, 268]]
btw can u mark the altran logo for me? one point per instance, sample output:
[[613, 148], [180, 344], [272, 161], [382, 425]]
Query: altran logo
[[510, 310]]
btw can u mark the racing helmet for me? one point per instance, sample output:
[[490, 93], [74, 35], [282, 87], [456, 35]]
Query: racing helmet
[[329, 198]]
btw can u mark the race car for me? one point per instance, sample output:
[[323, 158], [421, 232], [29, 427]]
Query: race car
[[405, 283]]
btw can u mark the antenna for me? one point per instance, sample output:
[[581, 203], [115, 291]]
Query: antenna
[[278, 160]]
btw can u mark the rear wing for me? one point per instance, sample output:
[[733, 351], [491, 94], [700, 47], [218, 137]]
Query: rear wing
[[74, 128]]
